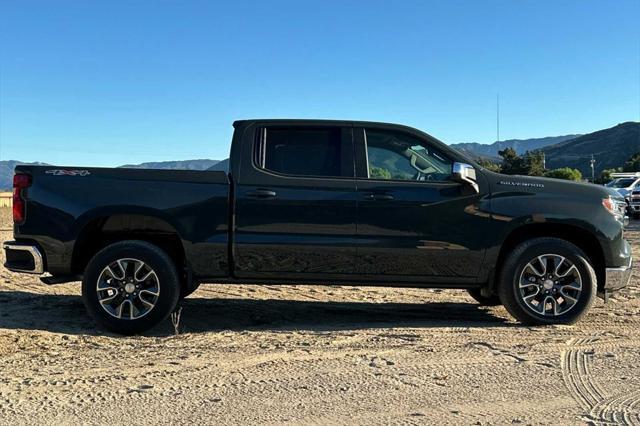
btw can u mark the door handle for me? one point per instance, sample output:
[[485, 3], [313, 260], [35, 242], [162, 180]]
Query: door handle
[[261, 193], [379, 197]]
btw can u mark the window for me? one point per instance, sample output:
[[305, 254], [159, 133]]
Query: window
[[303, 152], [396, 156], [621, 183]]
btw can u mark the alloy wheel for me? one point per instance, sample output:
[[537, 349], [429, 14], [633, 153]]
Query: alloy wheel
[[550, 285], [128, 289]]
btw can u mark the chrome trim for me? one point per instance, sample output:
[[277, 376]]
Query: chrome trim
[[38, 264], [617, 278]]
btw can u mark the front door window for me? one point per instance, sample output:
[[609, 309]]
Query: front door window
[[395, 156]]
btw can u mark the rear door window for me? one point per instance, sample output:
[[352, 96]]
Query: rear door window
[[305, 151]]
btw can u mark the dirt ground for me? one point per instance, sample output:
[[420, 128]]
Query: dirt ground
[[316, 355]]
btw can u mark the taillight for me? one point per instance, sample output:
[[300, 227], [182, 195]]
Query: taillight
[[20, 182]]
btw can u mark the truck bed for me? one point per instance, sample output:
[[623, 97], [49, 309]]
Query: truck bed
[[72, 200]]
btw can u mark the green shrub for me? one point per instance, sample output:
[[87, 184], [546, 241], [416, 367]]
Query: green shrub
[[566, 173]]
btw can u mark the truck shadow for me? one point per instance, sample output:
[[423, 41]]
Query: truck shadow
[[66, 314]]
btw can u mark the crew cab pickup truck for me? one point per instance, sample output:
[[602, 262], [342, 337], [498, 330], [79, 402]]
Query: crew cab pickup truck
[[319, 202]]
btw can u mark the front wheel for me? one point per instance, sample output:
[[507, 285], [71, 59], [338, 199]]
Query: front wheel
[[130, 286], [547, 281]]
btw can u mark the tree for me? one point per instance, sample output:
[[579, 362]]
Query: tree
[[632, 164], [531, 163], [512, 163], [566, 173], [535, 162], [605, 175], [379, 173], [489, 165]]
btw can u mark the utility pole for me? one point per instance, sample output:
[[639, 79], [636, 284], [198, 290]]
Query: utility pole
[[544, 161], [593, 174]]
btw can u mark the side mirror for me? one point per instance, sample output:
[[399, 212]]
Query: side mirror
[[465, 173]]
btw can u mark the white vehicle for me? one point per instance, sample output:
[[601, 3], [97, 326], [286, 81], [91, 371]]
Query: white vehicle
[[625, 183]]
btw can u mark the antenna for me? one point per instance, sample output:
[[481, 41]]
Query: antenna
[[498, 116]]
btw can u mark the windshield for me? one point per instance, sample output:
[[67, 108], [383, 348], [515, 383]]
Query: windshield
[[621, 183]]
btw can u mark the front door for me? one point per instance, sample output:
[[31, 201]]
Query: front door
[[295, 214], [414, 223]]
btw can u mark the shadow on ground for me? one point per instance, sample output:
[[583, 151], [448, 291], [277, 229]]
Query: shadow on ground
[[66, 314]]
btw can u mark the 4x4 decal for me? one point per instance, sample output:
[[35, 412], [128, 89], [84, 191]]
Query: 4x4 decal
[[60, 172]]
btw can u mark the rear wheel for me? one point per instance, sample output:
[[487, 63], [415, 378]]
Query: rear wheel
[[547, 281], [492, 300], [130, 286]]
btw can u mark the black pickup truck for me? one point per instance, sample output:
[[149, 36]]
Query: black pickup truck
[[319, 202]]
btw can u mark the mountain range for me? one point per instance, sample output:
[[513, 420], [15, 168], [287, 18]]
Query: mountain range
[[7, 166], [202, 164], [520, 145], [610, 148]]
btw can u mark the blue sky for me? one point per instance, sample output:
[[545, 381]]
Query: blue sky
[[110, 82]]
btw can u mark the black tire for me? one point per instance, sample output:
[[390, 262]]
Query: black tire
[[492, 300], [514, 265], [166, 280]]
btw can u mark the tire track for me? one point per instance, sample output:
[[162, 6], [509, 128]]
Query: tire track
[[575, 363], [623, 409], [576, 377]]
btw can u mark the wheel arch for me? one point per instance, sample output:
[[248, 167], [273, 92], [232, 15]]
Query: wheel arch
[[581, 237], [106, 228]]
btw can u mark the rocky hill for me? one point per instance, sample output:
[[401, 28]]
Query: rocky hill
[[610, 148]]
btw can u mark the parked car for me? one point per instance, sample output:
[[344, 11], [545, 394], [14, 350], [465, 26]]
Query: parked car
[[319, 202]]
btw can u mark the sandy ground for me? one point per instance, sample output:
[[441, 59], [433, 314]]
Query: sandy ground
[[316, 355]]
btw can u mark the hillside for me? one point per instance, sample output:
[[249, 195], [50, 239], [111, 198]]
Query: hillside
[[222, 165], [6, 172], [7, 166], [610, 148], [202, 164], [475, 149]]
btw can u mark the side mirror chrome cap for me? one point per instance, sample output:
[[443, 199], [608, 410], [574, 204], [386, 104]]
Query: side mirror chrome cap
[[465, 173]]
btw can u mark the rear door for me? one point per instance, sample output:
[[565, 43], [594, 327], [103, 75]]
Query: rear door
[[414, 223], [295, 211]]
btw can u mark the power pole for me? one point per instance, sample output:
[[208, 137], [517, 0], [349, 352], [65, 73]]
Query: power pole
[[593, 174]]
